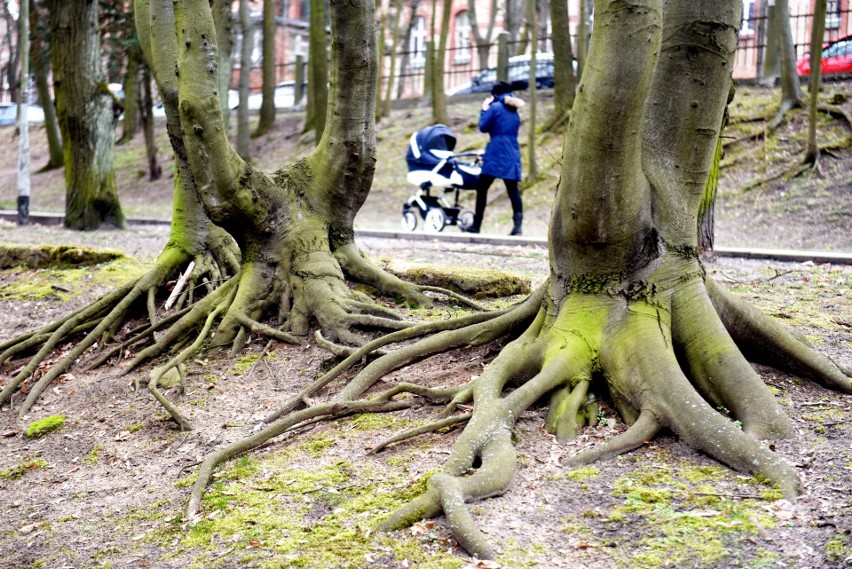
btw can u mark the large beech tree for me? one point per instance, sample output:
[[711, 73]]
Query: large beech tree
[[628, 310]]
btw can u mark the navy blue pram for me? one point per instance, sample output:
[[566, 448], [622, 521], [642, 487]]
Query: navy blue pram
[[432, 163]]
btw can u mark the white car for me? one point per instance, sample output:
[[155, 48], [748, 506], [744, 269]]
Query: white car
[[9, 114]]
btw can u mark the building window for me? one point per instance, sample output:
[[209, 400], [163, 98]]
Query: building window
[[461, 53], [749, 17], [418, 43], [832, 14]]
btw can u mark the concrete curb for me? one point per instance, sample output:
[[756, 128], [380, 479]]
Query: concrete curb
[[786, 255]]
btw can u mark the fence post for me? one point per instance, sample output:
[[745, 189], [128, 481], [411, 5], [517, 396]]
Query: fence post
[[503, 56], [299, 81]]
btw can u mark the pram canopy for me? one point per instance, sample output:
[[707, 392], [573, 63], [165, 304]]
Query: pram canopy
[[431, 160]]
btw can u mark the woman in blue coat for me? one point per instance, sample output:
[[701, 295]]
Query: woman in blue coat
[[502, 158]]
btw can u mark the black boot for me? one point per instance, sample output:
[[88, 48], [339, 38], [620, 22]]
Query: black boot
[[518, 219], [474, 227]]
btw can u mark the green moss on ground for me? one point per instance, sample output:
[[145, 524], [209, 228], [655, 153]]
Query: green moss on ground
[[266, 513], [244, 364], [26, 464], [45, 426]]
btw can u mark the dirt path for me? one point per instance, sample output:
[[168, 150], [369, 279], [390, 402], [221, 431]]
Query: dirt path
[[107, 489]]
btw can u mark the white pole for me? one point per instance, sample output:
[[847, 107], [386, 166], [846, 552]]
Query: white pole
[[23, 111]]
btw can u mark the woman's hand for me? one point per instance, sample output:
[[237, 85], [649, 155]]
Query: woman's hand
[[487, 103]]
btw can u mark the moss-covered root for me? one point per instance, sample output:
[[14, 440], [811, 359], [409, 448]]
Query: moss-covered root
[[363, 271], [380, 404], [642, 370], [118, 305], [488, 436], [717, 368], [765, 340]]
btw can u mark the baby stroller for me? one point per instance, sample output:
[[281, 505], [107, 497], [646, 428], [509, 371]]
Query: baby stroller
[[431, 162]]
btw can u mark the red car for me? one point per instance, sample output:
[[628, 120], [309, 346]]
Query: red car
[[836, 58]]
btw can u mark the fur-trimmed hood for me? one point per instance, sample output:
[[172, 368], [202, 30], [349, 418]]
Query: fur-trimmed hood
[[513, 102]]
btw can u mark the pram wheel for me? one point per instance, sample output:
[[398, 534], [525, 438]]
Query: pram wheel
[[436, 219], [409, 221], [466, 220]]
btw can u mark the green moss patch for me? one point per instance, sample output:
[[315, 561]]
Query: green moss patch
[[268, 513], [475, 282], [43, 427], [53, 256], [26, 464]]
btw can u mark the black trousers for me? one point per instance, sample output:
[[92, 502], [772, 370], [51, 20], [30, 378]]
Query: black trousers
[[485, 182]]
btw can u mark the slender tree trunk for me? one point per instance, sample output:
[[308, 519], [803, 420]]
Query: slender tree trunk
[[563, 62], [791, 90], [532, 25], [224, 25], [771, 61], [317, 71], [154, 169], [267, 106], [131, 87], [406, 45], [582, 38], [396, 32], [439, 98], [817, 33], [12, 40], [84, 106], [40, 54], [243, 148], [23, 122]]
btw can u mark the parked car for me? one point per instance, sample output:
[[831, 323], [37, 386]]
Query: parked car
[[836, 58], [519, 75], [9, 113]]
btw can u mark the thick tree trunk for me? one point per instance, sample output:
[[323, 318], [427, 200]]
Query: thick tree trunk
[[267, 106], [84, 106]]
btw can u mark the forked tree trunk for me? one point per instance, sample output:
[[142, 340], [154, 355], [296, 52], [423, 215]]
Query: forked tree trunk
[[84, 106]]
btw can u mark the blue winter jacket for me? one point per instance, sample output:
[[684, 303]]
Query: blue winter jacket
[[502, 158]]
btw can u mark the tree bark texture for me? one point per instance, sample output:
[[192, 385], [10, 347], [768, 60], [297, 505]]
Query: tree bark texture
[[439, 98], [224, 24], [84, 107], [563, 60]]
